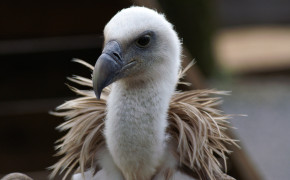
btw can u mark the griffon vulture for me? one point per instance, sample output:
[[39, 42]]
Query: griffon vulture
[[133, 124]]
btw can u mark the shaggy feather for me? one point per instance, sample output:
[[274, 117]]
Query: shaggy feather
[[194, 124]]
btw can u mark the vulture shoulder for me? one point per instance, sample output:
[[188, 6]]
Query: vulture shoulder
[[196, 128]]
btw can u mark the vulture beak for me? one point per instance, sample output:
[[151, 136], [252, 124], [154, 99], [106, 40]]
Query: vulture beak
[[108, 67]]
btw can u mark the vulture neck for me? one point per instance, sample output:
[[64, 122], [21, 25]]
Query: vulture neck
[[136, 123]]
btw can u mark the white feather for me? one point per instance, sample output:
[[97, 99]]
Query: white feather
[[137, 106]]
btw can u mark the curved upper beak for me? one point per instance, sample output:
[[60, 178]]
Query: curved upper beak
[[108, 67]]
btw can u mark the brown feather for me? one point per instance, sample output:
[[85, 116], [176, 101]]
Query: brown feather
[[195, 125]]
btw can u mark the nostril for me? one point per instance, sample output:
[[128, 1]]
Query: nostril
[[116, 55]]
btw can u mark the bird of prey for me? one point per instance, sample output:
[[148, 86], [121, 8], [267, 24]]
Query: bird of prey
[[133, 124]]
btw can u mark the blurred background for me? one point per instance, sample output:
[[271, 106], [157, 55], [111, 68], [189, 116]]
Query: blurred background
[[242, 46]]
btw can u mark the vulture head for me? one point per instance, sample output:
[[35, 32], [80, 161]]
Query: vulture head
[[140, 45]]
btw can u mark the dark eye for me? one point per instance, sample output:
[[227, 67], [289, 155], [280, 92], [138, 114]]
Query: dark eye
[[143, 41]]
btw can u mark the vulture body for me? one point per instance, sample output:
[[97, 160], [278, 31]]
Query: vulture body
[[133, 125]]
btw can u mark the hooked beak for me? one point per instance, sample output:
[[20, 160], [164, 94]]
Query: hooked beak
[[108, 67]]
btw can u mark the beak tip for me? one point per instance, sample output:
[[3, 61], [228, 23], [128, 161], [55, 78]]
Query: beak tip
[[98, 92], [98, 95]]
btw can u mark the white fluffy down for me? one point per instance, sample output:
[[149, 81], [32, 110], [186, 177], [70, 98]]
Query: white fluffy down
[[137, 106], [102, 176]]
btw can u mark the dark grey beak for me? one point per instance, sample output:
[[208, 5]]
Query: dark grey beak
[[108, 67]]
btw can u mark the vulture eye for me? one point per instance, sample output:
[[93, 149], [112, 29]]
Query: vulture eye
[[143, 41]]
